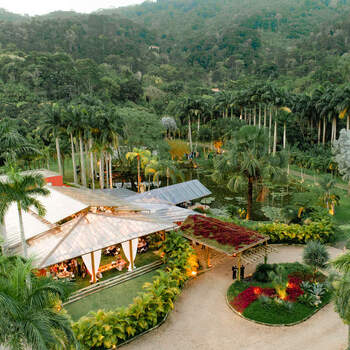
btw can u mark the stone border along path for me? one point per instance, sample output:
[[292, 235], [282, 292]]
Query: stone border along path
[[202, 320]]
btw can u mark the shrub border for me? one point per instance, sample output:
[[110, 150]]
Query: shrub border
[[130, 340]]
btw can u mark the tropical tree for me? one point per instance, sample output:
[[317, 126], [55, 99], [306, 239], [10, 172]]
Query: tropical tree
[[52, 125], [315, 255], [12, 144], [142, 156], [341, 293], [247, 162], [23, 191], [31, 313], [166, 169]]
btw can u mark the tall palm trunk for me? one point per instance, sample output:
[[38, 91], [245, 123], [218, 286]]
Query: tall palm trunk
[[190, 134], [21, 228], [3, 234], [324, 131], [110, 172], [334, 129], [319, 132], [240, 114], [254, 116], [245, 114], [92, 171], [259, 116], [250, 198], [59, 160], [138, 174], [75, 176], [107, 170], [270, 127], [101, 170], [265, 116], [284, 135], [82, 162], [275, 139]]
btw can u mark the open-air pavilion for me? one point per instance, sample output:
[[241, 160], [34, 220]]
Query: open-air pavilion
[[244, 245], [83, 223]]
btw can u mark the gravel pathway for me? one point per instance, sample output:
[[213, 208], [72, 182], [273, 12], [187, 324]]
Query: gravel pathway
[[202, 320]]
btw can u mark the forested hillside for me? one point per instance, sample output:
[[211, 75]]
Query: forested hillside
[[141, 63]]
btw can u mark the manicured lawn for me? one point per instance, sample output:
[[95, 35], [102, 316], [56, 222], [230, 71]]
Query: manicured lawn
[[110, 298], [274, 313]]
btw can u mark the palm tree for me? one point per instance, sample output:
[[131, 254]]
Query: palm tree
[[341, 295], [142, 156], [12, 144], [23, 191], [248, 162], [72, 120], [31, 315], [167, 169], [52, 124]]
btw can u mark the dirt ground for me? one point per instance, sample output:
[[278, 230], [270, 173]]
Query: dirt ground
[[202, 320]]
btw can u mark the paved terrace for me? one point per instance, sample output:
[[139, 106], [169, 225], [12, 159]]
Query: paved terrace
[[202, 320]]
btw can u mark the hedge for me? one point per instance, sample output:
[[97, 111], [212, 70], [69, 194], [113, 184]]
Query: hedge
[[322, 230], [107, 330]]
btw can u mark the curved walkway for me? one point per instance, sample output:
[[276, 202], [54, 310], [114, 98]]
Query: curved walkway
[[202, 320]]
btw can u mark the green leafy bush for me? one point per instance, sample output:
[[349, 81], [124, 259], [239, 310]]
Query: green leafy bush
[[105, 330], [262, 272], [322, 231]]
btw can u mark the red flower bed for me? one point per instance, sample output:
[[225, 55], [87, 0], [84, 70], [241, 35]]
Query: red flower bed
[[293, 290], [252, 293], [222, 232]]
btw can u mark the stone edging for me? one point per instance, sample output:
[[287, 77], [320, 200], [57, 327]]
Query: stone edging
[[273, 325]]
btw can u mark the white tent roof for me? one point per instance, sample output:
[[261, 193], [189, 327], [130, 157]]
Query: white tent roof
[[32, 226], [89, 233], [60, 206], [178, 193]]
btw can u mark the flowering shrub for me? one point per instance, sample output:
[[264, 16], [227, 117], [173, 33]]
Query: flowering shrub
[[322, 230]]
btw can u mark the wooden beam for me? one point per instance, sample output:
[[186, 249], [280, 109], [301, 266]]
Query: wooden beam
[[208, 257], [131, 255], [93, 267], [239, 266]]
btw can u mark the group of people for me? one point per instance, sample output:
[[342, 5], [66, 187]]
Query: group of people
[[68, 269]]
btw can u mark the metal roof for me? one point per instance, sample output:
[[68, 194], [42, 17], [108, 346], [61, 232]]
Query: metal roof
[[97, 198], [178, 193], [88, 233], [118, 192]]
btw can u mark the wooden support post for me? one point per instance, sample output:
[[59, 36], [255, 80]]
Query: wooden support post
[[93, 267], [239, 266], [208, 257], [131, 255], [265, 258]]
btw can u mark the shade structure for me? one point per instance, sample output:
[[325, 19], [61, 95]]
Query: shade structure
[[98, 198], [32, 225], [175, 194], [225, 237], [89, 233]]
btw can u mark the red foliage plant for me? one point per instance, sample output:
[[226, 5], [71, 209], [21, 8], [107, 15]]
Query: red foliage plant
[[294, 290], [252, 293], [223, 232]]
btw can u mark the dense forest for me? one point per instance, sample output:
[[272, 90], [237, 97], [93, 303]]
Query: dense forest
[[188, 60]]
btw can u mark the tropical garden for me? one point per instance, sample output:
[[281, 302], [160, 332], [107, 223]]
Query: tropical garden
[[259, 112]]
